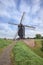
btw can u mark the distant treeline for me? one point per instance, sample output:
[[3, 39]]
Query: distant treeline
[[37, 36]]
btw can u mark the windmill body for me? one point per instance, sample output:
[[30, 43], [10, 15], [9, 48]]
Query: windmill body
[[21, 31]]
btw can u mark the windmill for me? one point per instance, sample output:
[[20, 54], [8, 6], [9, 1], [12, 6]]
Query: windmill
[[21, 28]]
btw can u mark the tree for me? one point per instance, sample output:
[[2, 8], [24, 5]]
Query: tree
[[27, 37], [38, 36], [42, 37]]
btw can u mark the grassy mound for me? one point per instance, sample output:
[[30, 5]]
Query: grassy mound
[[22, 55]]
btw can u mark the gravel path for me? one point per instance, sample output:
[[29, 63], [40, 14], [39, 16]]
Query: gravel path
[[5, 56], [30, 42]]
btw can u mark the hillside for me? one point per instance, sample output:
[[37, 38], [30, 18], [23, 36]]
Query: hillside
[[23, 55]]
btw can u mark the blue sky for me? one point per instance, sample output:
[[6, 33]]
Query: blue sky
[[12, 10]]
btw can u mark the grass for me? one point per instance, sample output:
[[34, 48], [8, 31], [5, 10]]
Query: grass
[[4, 43], [37, 48], [23, 55]]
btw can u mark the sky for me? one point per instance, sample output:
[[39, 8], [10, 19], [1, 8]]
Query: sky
[[12, 10]]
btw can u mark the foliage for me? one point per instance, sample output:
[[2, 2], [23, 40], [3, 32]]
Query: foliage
[[42, 37], [23, 55], [38, 36]]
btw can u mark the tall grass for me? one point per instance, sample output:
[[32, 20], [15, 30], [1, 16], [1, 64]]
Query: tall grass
[[4, 43], [37, 48]]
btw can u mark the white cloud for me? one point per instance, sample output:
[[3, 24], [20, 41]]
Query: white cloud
[[9, 9], [6, 30], [35, 6], [24, 7], [32, 33], [41, 14], [7, 3]]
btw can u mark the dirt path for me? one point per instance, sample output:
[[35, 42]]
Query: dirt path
[[30, 42], [5, 57]]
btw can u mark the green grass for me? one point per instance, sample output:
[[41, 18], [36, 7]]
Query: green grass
[[37, 48], [23, 55], [4, 43]]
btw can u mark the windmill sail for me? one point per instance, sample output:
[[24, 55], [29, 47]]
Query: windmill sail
[[22, 17], [12, 23], [29, 26]]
